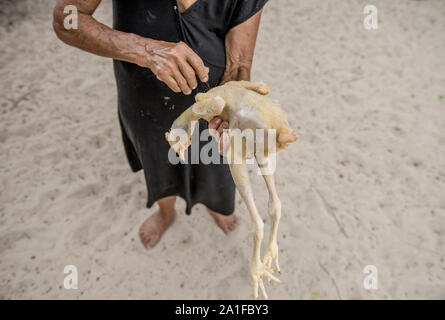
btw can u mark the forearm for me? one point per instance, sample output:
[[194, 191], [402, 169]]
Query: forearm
[[238, 60], [97, 38], [235, 72], [240, 46], [173, 63]]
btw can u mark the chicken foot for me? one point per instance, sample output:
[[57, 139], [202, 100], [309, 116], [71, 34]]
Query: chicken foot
[[274, 210]]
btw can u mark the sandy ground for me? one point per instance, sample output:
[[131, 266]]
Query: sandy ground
[[364, 185]]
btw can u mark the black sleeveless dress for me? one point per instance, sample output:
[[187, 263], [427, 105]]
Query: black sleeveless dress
[[147, 107]]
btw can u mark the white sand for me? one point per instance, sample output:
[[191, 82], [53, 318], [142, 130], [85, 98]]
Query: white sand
[[365, 184]]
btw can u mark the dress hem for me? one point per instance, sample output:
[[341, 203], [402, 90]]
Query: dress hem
[[188, 209]]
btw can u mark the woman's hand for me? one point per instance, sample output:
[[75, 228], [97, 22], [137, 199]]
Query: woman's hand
[[222, 138], [175, 64], [172, 62], [240, 46]]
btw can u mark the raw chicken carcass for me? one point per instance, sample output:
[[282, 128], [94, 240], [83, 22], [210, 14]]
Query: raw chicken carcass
[[245, 106]]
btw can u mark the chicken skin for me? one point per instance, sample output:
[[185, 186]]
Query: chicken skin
[[258, 129]]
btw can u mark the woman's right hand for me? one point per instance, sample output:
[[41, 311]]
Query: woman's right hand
[[175, 64]]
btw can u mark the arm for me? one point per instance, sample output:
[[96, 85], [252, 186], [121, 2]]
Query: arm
[[173, 63], [240, 47]]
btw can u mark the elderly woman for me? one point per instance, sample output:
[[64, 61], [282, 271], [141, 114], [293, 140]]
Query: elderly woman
[[165, 52]]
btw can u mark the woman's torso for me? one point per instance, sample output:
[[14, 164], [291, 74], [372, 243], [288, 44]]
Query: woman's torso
[[202, 26]]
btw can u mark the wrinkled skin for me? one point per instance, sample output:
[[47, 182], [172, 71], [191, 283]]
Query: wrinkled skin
[[173, 63]]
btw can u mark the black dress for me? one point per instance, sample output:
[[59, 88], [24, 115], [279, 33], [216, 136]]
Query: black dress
[[147, 107]]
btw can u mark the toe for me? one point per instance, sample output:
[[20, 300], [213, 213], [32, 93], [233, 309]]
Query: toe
[[226, 229], [263, 290], [144, 240], [255, 289], [152, 241], [233, 223], [267, 273], [277, 266]]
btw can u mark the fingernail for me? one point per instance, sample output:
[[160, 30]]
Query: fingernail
[[206, 79]]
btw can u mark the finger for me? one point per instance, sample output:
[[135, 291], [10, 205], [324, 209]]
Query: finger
[[182, 83], [198, 65], [263, 290], [224, 144], [215, 135], [171, 83], [223, 125], [189, 74], [224, 141], [215, 123]]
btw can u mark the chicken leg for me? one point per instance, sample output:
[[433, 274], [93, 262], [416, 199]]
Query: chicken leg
[[258, 269], [274, 210]]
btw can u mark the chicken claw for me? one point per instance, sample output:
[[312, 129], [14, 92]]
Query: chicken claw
[[271, 255], [257, 272]]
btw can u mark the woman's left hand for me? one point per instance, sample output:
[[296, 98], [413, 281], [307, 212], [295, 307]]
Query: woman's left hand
[[240, 46], [221, 137]]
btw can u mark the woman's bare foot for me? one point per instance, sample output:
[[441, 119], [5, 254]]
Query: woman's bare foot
[[226, 223], [152, 229]]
